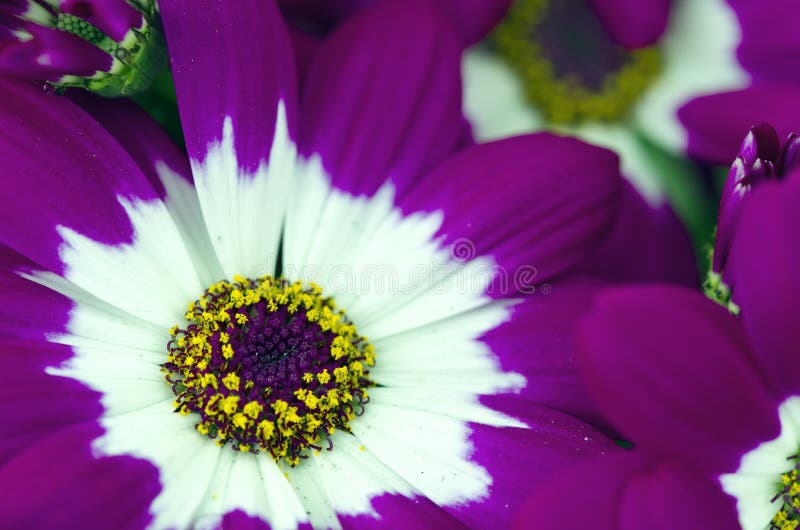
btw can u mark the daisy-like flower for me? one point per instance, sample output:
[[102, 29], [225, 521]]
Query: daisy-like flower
[[687, 76], [111, 47], [710, 400], [224, 346]]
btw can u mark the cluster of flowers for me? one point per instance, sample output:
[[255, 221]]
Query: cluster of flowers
[[575, 140]]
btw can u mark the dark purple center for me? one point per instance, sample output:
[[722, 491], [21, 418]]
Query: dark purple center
[[575, 42], [276, 349]]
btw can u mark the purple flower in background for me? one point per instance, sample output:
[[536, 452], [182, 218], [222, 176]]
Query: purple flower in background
[[112, 47], [174, 356], [710, 400], [685, 75], [761, 158]]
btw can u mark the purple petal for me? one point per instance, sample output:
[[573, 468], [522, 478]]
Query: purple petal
[[717, 123], [765, 260], [770, 40], [74, 172], [322, 12], [230, 60], [35, 405], [629, 491], [396, 511], [30, 311], [538, 342], [633, 23], [113, 17], [757, 161], [305, 46], [474, 19], [238, 520], [58, 483], [669, 497], [383, 97], [520, 460], [51, 54], [672, 370], [538, 204], [142, 138], [647, 244]]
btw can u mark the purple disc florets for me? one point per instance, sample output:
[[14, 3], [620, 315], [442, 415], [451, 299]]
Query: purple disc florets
[[268, 365]]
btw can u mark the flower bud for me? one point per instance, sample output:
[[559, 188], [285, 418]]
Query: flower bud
[[110, 47]]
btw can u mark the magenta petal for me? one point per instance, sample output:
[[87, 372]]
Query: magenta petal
[[68, 171], [142, 138], [538, 204], [668, 497], [58, 483], [717, 123], [30, 311], [633, 23], [382, 99], [586, 496], [113, 17], [51, 54], [647, 244], [629, 491], [765, 263], [538, 342], [34, 404], [241, 70], [473, 19], [770, 40], [396, 511], [672, 370], [520, 460]]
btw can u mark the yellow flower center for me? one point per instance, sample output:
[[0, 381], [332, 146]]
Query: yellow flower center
[[269, 366]]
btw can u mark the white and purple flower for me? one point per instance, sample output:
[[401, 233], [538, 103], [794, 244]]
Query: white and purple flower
[[687, 76], [711, 401], [427, 404]]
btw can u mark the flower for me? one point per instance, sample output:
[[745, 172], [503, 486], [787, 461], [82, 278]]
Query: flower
[[154, 305], [687, 76], [111, 47], [709, 399]]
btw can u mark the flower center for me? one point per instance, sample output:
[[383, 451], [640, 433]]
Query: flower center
[[788, 516], [268, 365], [573, 70]]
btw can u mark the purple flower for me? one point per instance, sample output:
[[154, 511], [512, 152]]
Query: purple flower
[[710, 400], [687, 76], [761, 158], [107, 46], [155, 304]]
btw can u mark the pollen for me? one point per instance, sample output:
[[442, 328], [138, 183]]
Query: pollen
[[788, 499], [268, 366], [571, 69]]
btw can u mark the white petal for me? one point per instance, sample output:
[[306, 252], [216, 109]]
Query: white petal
[[244, 212], [186, 460], [699, 57], [184, 206], [429, 451], [152, 278], [343, 481], [758, 478], [494, 98]]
